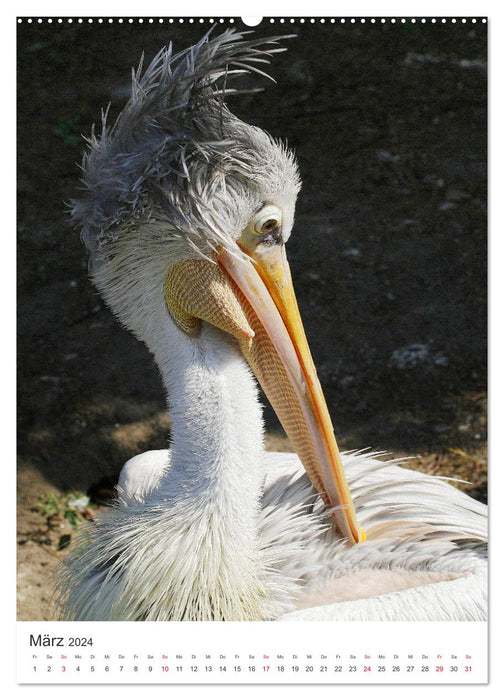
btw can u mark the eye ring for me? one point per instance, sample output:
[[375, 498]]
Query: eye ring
[[268, 220]]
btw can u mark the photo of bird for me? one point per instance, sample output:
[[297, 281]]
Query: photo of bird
[[186, 212]]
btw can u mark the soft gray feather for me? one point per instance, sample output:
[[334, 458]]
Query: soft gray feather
[[175, 144]]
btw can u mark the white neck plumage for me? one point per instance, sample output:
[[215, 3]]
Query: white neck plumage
[[217, 432], [217, 429], [204, 522]]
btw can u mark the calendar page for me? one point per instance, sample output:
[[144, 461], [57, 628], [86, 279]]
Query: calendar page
[[252, 349]]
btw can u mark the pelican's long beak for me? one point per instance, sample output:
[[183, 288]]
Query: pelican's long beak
[[267, 285], [252, 297]]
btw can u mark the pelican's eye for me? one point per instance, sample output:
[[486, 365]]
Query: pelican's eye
[[268, 224]]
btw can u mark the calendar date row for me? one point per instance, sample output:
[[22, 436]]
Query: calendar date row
[[206, 669]]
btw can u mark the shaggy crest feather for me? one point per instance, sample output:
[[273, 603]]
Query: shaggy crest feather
[[175, 146]]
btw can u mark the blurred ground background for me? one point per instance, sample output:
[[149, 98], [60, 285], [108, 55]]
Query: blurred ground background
[[388, 256]]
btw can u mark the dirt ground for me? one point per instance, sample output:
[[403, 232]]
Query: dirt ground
[[388, 256]]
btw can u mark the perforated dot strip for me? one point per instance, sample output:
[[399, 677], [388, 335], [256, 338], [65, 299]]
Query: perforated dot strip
[[238, 20]]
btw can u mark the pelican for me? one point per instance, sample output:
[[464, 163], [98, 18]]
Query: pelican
[[185, 214]]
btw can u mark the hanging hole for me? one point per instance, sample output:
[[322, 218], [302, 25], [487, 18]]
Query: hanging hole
[[251, 21]]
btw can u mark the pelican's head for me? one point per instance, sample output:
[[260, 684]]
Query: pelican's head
[[187, 211]]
